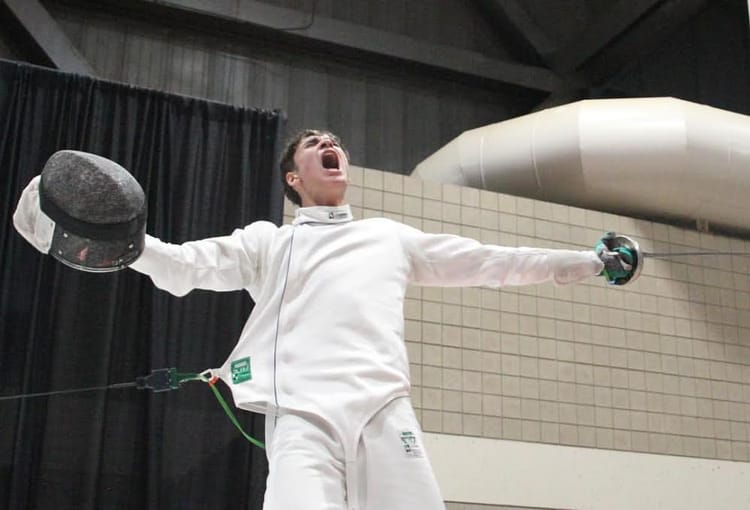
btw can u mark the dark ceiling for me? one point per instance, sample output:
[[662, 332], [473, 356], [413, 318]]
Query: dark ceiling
[[562, 49]]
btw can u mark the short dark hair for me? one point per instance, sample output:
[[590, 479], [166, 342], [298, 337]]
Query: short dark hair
[[286, 163]]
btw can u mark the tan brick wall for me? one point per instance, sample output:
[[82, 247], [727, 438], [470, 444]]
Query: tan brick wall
[[660, 366]]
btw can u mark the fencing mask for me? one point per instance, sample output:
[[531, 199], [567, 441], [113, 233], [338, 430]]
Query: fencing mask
[[98, 208]]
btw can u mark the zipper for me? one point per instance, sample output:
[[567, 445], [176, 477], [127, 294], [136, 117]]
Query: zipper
[[278, 317]]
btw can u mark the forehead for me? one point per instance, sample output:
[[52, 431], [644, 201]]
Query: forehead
[[308, 141], [314, 137]]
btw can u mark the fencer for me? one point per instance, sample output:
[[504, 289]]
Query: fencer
[[322, 354]]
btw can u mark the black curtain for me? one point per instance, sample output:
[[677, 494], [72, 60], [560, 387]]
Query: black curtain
[[206, 168]]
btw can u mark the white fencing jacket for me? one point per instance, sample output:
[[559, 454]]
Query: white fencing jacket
[[326, 335]]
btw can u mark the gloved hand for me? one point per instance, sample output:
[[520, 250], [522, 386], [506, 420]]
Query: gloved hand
[[35, 226], [618, 262]]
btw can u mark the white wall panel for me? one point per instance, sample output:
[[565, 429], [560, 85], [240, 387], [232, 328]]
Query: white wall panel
[[515, 473]]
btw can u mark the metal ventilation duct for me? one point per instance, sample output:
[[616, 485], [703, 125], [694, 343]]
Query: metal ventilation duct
[[660, 158]]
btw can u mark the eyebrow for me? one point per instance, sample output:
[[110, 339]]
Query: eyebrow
[[312, 139]]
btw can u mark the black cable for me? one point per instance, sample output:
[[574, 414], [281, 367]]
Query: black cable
[[160, 379], [66, 392]]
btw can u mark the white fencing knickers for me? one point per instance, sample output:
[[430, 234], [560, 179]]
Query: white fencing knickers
[[308, 468]]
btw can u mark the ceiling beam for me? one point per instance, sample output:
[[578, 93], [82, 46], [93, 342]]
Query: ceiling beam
[[561, 97], [608, 27], [517, 25], [643, 39], [33, 23], [614, 44], [306, 32]]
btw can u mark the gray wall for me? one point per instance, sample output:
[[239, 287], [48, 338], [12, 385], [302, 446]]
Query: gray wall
[[388, 119], [391, 117], [455, 23], [5, 51]]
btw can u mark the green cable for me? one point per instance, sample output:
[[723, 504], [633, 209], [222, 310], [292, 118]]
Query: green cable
[[229, 412], [176, 378]]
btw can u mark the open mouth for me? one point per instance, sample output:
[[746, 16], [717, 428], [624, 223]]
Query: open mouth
[[330, 160]]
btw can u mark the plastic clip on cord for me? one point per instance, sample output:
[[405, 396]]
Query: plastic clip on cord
[[165, 379]]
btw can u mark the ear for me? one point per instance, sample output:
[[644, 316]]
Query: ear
[[291, 178]]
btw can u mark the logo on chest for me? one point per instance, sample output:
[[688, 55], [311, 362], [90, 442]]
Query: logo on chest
[[241, 371]]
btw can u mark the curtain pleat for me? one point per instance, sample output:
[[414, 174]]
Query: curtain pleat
[[206, 168]]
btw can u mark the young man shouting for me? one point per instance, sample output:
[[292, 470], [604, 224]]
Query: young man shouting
[[322, 354]]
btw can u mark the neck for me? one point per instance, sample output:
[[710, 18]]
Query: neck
[[324, 203]]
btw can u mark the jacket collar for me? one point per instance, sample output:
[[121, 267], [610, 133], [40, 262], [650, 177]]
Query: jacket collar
[[323, 214]]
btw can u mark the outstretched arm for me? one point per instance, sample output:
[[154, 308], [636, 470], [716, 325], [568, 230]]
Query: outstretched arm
[[448, 260], [222, 263], [219, 263]]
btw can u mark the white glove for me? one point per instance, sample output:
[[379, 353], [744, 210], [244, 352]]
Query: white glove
[[35, 226]]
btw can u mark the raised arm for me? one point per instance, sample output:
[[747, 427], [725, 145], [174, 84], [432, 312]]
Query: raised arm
[[220, 263], [453, 261]]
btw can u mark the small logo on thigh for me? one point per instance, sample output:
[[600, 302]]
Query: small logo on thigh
[[409, 442]]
